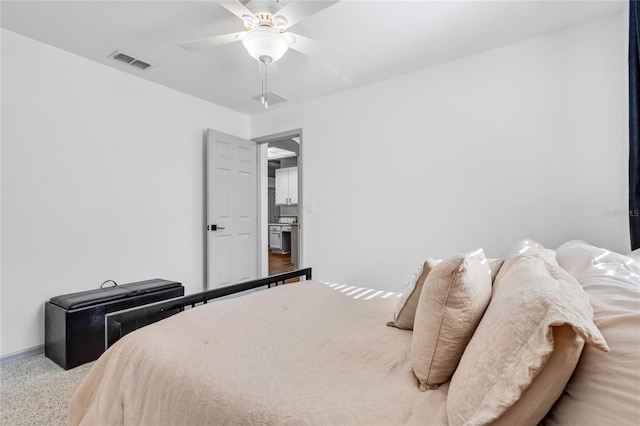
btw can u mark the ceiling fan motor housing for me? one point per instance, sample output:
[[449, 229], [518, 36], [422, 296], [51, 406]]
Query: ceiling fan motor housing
[[265, 20]]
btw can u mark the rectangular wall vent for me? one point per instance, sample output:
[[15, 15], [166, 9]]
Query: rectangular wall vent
[[130, 60]]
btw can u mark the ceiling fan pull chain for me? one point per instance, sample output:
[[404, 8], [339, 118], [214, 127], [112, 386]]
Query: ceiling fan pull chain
[[262, 67], [266, 99]]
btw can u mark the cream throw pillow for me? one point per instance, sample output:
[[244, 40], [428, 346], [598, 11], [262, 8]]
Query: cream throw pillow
[[495, 265], [522, 247], [515, 339], [548, 385], [406, 309], [455, 295]]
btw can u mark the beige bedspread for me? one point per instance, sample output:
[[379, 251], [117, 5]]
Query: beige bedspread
[[305, 353]]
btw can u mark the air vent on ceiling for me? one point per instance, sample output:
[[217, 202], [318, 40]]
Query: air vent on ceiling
[[130, 60], [273, 98]]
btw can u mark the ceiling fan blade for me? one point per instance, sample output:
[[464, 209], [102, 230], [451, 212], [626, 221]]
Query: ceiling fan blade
[[208, 42], [236, 8], [318, 50], [297, 10]]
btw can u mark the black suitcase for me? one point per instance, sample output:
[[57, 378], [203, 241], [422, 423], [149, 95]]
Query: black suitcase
[[74, 323]]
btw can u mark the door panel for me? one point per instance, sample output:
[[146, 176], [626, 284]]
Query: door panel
[[223, 184], [222, 271], [245, 249], [244, 199], [231, 205]]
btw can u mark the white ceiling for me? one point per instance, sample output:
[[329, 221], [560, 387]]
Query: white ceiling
[[381, 39]]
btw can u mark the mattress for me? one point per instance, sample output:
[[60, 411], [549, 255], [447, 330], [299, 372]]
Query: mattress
[[307, 353]]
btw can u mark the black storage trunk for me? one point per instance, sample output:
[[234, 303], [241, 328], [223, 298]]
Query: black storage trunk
[[74, 323]]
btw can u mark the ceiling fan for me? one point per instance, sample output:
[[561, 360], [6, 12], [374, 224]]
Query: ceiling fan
[[265, 35]]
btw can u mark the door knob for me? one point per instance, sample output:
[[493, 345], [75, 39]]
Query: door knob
[[214, 227]]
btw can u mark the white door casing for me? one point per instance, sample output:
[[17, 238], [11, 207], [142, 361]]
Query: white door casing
[[231, 204]]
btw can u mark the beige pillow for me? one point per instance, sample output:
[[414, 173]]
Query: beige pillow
[[406, 309], [605, 387], [495, 265], [455, 295], [548, 385], [514, 340], [523, 247]]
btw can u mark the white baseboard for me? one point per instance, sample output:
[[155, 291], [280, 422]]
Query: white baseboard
[[36, 350]]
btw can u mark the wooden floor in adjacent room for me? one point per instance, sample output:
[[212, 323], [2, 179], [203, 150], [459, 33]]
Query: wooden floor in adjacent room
[[280, 263]]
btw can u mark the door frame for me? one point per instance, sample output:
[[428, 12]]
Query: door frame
[[263, 201]]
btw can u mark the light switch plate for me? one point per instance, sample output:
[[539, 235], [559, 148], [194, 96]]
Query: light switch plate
[[309, 207]]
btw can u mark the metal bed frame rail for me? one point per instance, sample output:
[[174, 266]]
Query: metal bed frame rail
[[117, 324]]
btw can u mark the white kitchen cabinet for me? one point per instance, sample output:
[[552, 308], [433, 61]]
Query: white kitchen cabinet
[[275, 237], [287, 186]]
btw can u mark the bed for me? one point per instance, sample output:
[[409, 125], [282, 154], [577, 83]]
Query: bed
[[321, 353], [276, 356]]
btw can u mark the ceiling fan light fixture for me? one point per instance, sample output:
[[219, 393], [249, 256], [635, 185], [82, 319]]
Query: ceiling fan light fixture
[[265, 44]]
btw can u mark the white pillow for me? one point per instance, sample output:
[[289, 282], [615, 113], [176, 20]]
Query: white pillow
[[406, 309], [605, 387], [635, 254]]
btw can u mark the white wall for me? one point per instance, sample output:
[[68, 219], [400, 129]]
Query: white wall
[[102, 171], [521, 141], [101, 179]]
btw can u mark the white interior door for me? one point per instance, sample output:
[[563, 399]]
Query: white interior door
[[232, 227]]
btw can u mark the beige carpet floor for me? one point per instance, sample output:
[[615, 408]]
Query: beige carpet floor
[[36, 391]]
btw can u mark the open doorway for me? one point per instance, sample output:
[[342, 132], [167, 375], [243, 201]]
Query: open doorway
[[280, 197]]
